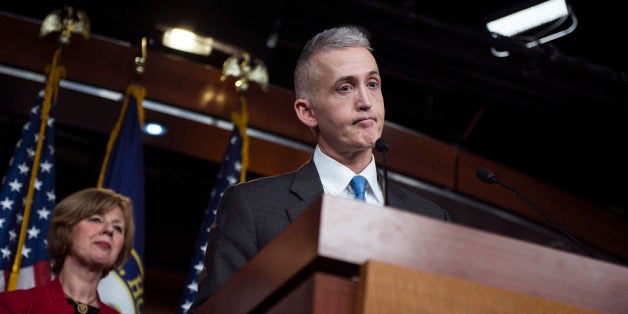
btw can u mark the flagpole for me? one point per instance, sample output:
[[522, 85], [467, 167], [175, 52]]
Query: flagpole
[[241, 67], [52, 88], [240, 119], [54, 22]]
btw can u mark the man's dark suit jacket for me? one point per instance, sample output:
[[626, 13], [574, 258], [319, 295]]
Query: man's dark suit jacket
[[252, 214]]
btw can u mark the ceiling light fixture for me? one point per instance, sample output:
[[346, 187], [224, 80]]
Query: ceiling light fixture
[[185, 40], [533, 24]]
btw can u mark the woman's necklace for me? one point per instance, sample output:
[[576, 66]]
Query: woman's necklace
[[80, 307]]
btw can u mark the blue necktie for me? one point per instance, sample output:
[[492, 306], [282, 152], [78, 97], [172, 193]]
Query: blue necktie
[[358, 184]]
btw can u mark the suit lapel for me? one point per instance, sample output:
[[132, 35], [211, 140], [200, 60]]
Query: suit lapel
[[307, 187]]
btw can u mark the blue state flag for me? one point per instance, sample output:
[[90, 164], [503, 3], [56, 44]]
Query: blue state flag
[[27, 194], [123, 172], [232, 170]]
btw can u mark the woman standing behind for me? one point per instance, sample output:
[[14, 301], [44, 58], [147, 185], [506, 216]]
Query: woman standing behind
[[91, 233]]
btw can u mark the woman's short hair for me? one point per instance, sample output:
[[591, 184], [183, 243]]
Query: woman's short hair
[[78, 206]]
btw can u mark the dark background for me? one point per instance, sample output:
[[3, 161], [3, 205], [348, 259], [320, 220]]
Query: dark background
[[557, 112]]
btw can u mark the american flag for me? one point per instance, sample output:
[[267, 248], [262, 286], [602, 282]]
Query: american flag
[[34, 265], [232, 170]]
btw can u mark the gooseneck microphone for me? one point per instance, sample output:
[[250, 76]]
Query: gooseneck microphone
[[382, 146], [486, 175]]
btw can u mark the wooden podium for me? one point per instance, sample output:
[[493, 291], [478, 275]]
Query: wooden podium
[[342, 256]]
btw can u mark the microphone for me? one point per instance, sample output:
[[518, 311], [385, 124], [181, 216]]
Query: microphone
[[487, 176], [382, 146]]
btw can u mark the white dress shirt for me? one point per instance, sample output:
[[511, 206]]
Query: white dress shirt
[[336, 177]]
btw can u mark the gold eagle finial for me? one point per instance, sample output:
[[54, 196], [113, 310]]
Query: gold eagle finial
[[55, 21], [245, 72]]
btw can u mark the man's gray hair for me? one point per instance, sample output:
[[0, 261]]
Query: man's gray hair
[[306, 72]]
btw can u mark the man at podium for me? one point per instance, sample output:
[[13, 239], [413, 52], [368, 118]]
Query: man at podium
[[339, 96]]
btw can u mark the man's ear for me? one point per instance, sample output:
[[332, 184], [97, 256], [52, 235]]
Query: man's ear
[[303, 109]]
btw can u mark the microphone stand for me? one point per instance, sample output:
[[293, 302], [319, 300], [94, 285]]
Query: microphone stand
[[488, 176]]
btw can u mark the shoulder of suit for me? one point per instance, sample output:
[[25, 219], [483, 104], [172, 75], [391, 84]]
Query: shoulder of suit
[[281, 179]]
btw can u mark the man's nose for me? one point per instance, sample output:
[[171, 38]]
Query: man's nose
[[363, 100]]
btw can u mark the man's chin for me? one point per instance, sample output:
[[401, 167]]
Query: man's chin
[[371, 139]]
